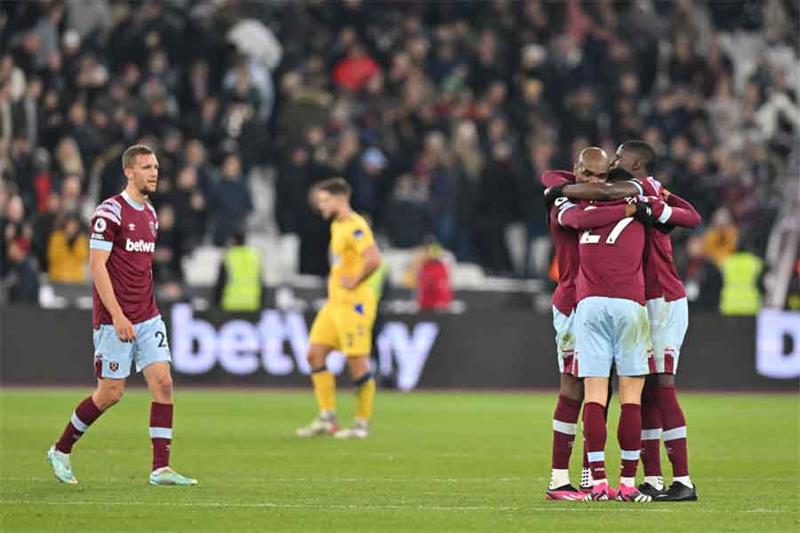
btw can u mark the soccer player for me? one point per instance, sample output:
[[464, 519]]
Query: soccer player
[[668, 314], [127, 323], [345, 321], [611, 328], [669, 318], [590, 167]]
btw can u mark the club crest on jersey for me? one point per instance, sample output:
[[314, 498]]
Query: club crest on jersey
[[113, 366], [358, 233], [153, 227]]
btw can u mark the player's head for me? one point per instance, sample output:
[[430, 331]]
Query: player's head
[[591, 166], [141, 168], [636, 157], [331, 196]]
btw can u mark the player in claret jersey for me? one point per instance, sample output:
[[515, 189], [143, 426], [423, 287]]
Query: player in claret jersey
[[127, 323], [591, 167], [611, 328], [669, 318]]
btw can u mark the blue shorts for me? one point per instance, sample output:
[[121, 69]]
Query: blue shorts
[[611, 331], [565, 341], [668, 324], [113, 358]]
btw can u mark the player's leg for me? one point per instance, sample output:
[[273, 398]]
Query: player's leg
[[595, 433], [364, 383], [153, 359], [651, 439], [682, 488], [568, 406], [112, 363], [651, 415], [354, 323], [632, 354], [565, 427], [673, 330], [323, 339], [594, 352]]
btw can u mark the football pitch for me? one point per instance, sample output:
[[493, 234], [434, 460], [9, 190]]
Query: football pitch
[[435, 462]]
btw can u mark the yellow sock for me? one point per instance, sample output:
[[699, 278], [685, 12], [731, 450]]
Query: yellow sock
[[324, 390], [365, 397]]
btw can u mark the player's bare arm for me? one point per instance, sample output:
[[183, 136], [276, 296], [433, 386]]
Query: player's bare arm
[[372, 260], [101, 279], [600, 191]]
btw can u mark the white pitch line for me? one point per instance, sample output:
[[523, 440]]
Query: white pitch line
[[339, 507], [267, 479]]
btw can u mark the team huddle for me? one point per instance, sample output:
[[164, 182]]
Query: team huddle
[[619, 305]]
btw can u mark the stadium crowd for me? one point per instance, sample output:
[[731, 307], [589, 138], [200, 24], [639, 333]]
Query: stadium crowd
[[441, 115]]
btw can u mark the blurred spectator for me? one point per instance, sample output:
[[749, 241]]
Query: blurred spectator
[[170, 249], [19, 278], [239, 285], [741, 279], [230, 201], [701, 277], [720, 240], [68, 252], [433, 279]]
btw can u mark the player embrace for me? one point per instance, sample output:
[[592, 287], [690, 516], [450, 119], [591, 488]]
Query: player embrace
[[632, 170], [127, 323]]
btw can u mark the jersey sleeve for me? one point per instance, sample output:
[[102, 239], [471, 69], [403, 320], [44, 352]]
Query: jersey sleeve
[[361, 236], [553, 178], [676, 212], [594, 216], [105, 225]]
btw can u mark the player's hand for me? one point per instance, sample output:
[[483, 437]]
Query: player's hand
[[551, 193], [124, 328], [665, 194], [644, 214], [349, 282]]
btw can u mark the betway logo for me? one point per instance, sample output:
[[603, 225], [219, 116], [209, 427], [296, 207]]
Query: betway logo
[[242, 348], [139, 246]]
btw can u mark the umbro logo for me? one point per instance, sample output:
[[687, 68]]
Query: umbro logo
[[131, 227]]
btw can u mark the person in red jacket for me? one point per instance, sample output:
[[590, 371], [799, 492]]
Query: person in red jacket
[[355, 70], [433, 280]]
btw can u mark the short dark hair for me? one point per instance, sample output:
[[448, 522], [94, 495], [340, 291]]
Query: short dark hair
[[644, 152], [132, 152], [335, 186]]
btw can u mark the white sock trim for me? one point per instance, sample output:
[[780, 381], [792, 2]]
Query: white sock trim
[[565, 427], [631, 455], [651, 434], [595, 457], [78, 423], [675, 433], [161, 433], [685, 480]]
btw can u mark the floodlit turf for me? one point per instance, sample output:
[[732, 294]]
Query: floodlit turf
[[462, 462]]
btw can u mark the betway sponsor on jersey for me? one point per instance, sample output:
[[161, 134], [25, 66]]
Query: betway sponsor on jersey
[[140, 246], [278, 345]]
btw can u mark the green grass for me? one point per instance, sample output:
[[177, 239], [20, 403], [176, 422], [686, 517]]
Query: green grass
[[462, 462]]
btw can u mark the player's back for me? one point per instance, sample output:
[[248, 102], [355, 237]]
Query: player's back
[[128, 230], [349, 239], [660, 275], [611, 260]]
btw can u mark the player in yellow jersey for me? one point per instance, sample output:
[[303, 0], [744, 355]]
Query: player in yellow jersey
[[345, 322]]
